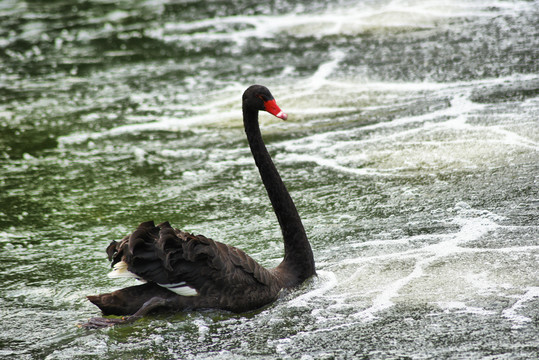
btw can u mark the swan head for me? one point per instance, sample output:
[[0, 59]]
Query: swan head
[[258, 97]]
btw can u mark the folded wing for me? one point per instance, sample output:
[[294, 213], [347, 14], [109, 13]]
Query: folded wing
[[191, 265]]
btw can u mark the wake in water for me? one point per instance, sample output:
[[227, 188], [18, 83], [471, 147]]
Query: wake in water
[[447, 273]]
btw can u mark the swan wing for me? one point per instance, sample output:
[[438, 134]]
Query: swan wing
[[187, 264]]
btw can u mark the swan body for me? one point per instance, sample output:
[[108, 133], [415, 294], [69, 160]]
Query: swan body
[[182, 271]]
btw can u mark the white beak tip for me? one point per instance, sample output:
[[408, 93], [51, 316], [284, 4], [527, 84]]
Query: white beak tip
[[282, 115]]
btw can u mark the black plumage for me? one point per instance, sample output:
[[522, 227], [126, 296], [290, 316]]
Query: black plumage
[[183, 271]]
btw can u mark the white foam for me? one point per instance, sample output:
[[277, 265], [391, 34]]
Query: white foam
[[448, 136], [384, 300], [321, 75], [140, 155], [172, 124], [326, 279], [332, 164], [461, 307], [423, 252], [347, 20], [512, 313], [203, 329], [448, 246], [324, 150]]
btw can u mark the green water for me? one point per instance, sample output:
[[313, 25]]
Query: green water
[[411, 151]]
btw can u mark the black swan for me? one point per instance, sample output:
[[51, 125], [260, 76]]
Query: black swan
[[183, 271]]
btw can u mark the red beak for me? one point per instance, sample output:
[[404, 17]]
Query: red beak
[[272, 107]]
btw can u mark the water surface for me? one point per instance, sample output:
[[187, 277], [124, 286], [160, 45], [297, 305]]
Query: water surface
[[411, 150]]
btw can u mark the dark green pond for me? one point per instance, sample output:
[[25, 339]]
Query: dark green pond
[[411, 151]]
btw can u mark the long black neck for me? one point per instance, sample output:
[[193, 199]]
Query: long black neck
[[298, 262]]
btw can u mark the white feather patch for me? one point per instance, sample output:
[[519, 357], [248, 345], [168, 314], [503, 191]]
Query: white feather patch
[[181, 289], [119, 270]]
